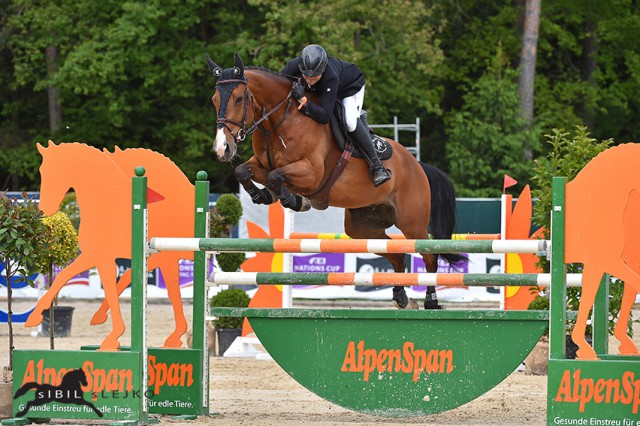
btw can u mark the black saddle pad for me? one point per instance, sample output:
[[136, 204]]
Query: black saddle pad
[[340, 133]]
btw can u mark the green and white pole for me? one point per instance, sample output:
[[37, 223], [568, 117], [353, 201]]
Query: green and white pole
[[139, 285]]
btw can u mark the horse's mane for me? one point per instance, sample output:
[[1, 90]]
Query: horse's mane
[[272, 72]]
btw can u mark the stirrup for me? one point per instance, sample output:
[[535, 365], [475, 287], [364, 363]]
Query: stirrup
[[379, 175]]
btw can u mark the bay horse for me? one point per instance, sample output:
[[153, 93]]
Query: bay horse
[[294, 156], [102, 183]]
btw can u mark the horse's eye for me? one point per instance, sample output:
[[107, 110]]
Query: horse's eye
[[239, 99]]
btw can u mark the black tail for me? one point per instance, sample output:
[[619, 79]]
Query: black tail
[[442, 223]]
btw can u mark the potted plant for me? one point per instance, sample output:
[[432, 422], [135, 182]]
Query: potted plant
[[62, 248], [568, 156], [22, 237], [224, 216], [228, 328]]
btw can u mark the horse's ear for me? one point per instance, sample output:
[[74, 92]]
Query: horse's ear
[[215, 69], [237, 63], [40, 148]]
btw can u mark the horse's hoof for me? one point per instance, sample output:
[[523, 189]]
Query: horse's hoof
[[110, 345], [34, 319], [173, 342], [586, 352], [305, 204], [432, 304], [98, 318], [628, 348], [400, 299]]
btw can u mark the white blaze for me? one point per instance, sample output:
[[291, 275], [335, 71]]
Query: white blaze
[[220, 144]]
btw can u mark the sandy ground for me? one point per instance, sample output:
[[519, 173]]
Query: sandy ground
[[257, 392]]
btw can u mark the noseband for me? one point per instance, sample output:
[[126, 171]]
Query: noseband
[[243, 132], [222, 120]]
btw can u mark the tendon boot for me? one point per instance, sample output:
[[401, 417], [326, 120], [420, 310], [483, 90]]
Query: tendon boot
[[362, 138]]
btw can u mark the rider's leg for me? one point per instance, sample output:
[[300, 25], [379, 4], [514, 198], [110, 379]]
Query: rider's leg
[[360, 135]]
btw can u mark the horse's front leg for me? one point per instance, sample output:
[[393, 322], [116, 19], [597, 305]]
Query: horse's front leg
[[246, 173], [275, 183]]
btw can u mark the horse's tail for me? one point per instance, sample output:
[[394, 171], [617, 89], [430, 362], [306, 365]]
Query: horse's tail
[[442, 223], [25, 388]]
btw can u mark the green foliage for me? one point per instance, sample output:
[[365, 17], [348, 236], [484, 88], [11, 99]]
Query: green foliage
[[230, 298], [539, 303], [69, 206], [133, 72], [394, 43], [488, 138], [61, 244], [568, 156], [230, 262], [23, 236], [224, 216]]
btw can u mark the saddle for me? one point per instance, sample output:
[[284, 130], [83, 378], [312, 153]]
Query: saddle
[[383, 148]]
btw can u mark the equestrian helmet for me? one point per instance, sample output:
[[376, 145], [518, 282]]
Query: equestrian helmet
[[313, 60]]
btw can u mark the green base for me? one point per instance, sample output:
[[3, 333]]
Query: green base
[[595, 392], [180, 394], [467, 353]]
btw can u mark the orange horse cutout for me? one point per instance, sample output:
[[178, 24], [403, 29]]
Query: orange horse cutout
[[102, 183], [602, 228]]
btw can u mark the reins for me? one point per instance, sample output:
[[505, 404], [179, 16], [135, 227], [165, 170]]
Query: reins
[[243, 132]]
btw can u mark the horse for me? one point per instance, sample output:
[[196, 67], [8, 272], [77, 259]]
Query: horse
[[69, 391], [603, 233], [105, 226], [166, 217], [294, 157]]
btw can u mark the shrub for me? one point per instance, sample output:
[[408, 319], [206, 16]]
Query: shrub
[[230, 298]]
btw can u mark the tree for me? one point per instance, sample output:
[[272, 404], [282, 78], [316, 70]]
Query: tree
[[22, 238], [394, 44], [487, 137], [528, 62], [61, 248]]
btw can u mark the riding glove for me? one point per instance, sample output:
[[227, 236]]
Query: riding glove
[[297, 91]]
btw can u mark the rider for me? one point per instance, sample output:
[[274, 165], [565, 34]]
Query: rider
[[332, 79]]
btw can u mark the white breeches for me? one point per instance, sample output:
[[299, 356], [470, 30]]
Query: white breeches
[[352, 107]]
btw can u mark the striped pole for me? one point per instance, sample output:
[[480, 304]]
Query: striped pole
[[387, 279], [265, 245], [343, 236]]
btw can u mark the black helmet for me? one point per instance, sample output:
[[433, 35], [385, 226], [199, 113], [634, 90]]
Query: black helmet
[[313, 60]]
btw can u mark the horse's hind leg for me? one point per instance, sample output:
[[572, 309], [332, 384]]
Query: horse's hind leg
[[591, 277], [108, 277], [171, 274], [627, 347], [372, 222]]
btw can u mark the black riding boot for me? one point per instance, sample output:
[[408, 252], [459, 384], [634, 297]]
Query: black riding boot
[[362, 138]]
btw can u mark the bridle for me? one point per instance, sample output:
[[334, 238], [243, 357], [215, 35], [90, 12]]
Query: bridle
[[243, 132]]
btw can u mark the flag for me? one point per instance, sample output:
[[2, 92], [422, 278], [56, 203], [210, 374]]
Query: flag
[[508, 181]]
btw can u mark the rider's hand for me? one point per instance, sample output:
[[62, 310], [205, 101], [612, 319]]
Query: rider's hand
[[297, 91]]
